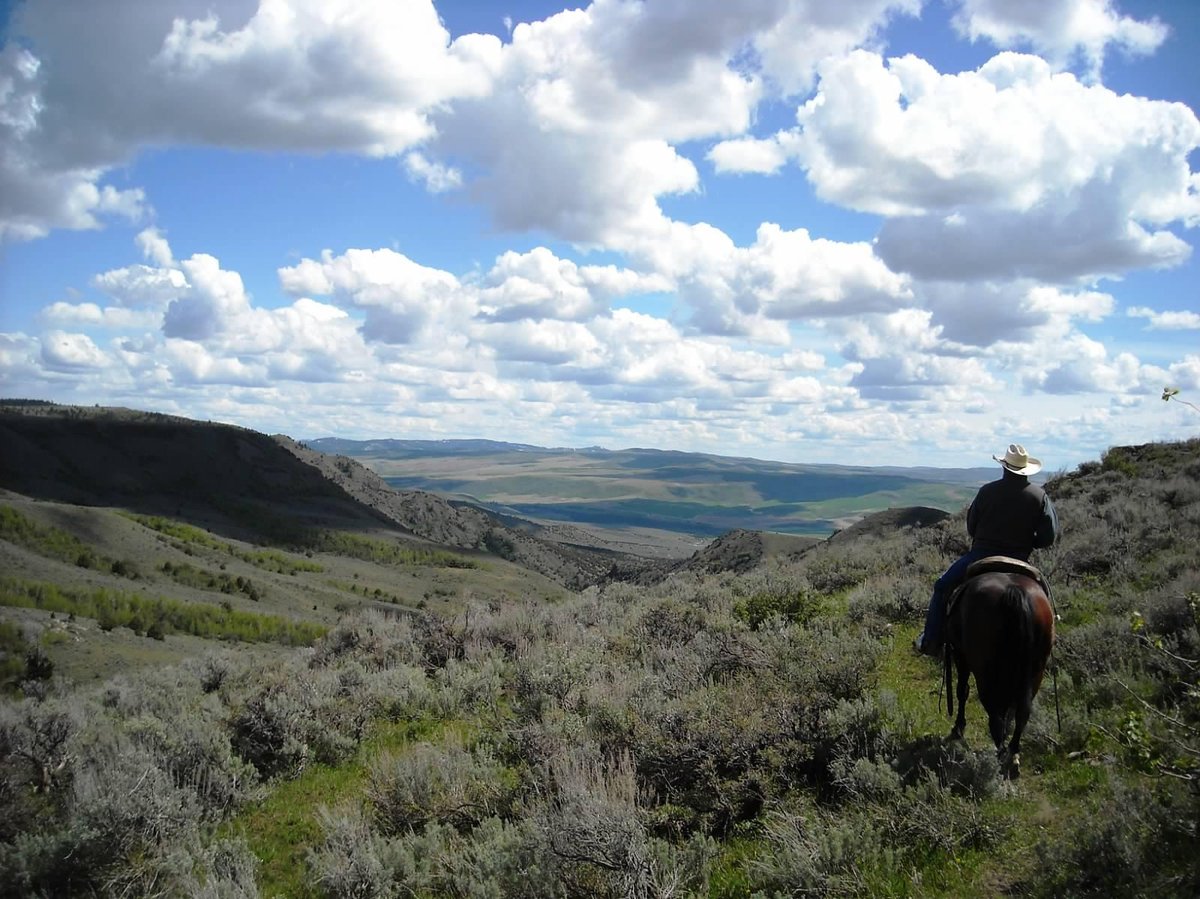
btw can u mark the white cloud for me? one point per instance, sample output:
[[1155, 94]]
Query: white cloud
[[309, 75], [578, 135], [748, 155], [1005, 172], [401, 300], [155, 247], [1061, 30], [436, 177], [141, 285], [1185, 374], [91, 314], [1083, 365], [62, 350], [783, 276], [539, 285], [1166, 321], [214, 300], [192, 363], [793, 45]]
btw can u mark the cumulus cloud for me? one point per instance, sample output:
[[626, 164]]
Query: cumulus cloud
[[401, 299], [1087, 367], [794, 44], [1182, 320], [307, 75], [142, 285], [72, 352], [436, 177], [1008, 171], [578, 136], [214, 299], [1186, 373], [783, 276], [539, 285], [154, 247], [91, 314], [1064, 31]]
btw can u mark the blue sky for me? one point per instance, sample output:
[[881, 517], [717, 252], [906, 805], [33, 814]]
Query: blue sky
[[877, 232]]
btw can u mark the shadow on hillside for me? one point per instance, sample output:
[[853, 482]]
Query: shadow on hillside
[[232, 481]]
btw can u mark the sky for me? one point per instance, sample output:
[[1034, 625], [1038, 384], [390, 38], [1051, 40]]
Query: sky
[[874, 232]]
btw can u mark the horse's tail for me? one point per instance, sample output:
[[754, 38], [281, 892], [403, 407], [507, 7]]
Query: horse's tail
[[1018, 613], [948, 674]]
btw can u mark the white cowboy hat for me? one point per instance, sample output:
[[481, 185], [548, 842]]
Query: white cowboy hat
[[1018, 461]]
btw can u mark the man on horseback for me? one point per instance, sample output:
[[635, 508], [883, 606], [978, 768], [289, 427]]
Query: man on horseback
[[1008, 517]]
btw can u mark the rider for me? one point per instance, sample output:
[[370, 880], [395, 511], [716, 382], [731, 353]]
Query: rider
[[1008, 517]]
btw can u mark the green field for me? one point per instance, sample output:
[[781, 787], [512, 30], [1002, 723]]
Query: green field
[[672, 491]]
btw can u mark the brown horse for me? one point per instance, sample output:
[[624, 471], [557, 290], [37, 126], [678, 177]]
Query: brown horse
[[1001, 629]]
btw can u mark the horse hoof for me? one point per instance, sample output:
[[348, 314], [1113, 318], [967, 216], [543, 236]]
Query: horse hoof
[[956, 734], [1014, 767]]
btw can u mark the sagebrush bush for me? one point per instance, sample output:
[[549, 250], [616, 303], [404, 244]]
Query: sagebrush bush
[[445, 783], [808, 853], [592, 822], [1135, 841], [299, 716], [349, 863]]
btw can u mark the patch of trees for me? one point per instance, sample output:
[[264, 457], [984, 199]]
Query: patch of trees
[[158, 617]]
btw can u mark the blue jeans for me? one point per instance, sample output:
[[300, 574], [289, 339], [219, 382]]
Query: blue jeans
[[935, 617]]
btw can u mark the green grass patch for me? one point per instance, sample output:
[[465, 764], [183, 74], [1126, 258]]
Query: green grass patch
[[187, 535], [177, 530], [157, 617], [190, 576], [55, 543], [13, 649], [280, 563], [387, 552], [283, 827]]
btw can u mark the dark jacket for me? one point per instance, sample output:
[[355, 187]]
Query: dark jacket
[[1011, 517]]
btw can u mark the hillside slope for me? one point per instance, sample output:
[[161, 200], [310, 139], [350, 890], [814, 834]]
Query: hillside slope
[[763, 728], [243, 484]]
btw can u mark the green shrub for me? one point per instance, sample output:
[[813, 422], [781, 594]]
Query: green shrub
[[348, 864], [113, 608], [446, 783], [1132, 841]]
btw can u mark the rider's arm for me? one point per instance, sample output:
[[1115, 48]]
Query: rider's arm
[[1046, 531]]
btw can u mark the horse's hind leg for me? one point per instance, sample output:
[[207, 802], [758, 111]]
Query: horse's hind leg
[[1024, 708], [964, 687]]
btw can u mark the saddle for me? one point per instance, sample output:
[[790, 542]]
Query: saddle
[[1002, 564]]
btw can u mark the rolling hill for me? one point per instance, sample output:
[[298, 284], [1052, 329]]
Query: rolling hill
[[669, 491], [221, 705]]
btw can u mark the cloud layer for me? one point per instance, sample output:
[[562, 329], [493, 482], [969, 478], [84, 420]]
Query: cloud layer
[[1008, 199]]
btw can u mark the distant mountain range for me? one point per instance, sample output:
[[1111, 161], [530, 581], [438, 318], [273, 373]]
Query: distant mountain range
[[665, 490]]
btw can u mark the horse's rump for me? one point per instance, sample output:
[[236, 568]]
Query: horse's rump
[[1000, 630]]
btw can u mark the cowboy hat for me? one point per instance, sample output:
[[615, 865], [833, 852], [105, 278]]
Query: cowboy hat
[[1018, 461]]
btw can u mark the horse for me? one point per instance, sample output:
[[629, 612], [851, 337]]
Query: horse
[[999, 627]]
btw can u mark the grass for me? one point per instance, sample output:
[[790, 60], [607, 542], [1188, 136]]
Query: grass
[[387, 552], [157, 617], [55, 543], [1052, 792], [283, 827]]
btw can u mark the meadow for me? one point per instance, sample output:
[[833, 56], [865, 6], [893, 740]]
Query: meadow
[[714, 734]]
